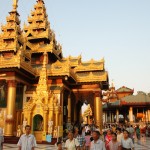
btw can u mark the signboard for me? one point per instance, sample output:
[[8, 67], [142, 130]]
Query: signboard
[[49, 138]]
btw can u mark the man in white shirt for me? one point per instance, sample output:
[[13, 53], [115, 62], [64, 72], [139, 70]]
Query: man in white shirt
[[72, 143], [97, 144], [119, 134], [27, 141]]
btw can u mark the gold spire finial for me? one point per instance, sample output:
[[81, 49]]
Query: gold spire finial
[[15, 4]]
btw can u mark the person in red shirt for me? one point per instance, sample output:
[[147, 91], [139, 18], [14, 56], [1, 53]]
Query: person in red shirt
[[108, 138], [114, 144]]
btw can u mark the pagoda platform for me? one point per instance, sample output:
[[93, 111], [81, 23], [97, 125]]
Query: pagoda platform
[[14, 140]]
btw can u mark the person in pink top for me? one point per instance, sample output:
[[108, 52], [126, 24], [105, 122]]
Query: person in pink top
[[114, 144], [87, 140], [108, 138]]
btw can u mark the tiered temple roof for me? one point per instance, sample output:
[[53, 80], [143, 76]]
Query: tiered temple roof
[[24, 50], [12, 53], [125, 89], [38, 35], [140, 99], [11, 39]]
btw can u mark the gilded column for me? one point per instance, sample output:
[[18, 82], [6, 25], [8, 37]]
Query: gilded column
[[45, 126], [60, 119], [56, 118], [104, 117], [60, 115], [69, 109], [148, 115], [45, 121], [51, 113], [131, 114], [99, 111], [117, 115], [112, 117], [17, 118], [75, 113], [11, 98]]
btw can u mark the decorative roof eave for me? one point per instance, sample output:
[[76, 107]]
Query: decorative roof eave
[[37, 35], [9, 47], [35, 26], [12, 36], [36, 18], [14, 18], [26, 66], [134, 103], [92, 78], [92, 61], [74, 61], [90, 67], [16, 62]]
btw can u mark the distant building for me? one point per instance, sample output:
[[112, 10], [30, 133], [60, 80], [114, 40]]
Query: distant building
[[122, 106]]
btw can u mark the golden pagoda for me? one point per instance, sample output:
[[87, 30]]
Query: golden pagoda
[[40, 87]]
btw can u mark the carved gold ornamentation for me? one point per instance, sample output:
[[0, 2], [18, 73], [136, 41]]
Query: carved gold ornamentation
[[43, 100]]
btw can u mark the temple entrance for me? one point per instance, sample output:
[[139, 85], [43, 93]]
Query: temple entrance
[[38, 127], [37, 123]]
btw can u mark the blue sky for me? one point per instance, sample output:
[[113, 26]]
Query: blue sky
[[118, 30]]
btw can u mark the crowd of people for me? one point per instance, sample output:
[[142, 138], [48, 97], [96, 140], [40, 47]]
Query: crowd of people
[[90, 137]]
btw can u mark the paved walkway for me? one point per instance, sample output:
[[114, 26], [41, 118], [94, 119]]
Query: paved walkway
[[39, 147], [143, 144]]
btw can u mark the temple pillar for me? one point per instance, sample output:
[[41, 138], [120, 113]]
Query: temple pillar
[[117, 115], [69, 109], [62, 106], [17, 118], [45, 117], [56, 118], [99, 111], [75, 113], [106, 118], [131, 114], [51, 118], [112, 117], [11, 98], [148, 115]]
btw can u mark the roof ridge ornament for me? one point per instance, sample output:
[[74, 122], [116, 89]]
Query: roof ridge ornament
[[41, 1], [15, 4]]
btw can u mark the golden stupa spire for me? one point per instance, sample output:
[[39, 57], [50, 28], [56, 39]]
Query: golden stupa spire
[[42, 84], [15, 5], [45, 59]]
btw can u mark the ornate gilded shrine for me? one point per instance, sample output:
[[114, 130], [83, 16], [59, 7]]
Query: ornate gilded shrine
[[40, 87]]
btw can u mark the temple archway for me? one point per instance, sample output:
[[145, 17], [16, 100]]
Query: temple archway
[[37, 123]]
